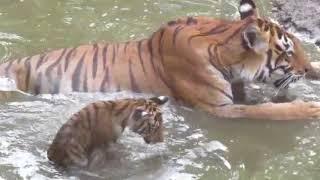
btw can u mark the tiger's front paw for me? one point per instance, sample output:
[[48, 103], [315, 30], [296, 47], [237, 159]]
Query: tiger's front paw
[[307, 110]]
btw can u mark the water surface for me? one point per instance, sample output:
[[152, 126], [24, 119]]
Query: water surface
[[197, 146]]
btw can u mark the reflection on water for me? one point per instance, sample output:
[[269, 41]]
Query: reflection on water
[[197, 146]]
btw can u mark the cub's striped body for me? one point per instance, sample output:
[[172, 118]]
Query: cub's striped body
[[101, 123], [193, 59]]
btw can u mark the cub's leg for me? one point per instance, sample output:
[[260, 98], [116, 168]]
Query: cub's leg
[[296, 110]]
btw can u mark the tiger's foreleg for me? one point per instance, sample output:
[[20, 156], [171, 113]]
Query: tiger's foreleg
[[296, 110], [219, 105]]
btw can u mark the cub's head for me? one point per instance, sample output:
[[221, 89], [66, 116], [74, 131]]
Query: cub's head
[[284, 60], [146, 119]]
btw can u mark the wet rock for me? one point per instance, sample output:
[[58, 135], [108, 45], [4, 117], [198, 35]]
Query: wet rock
[[302, 16]]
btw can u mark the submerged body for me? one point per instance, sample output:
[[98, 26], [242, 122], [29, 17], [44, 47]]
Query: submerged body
[[194, 59], [101, 123]]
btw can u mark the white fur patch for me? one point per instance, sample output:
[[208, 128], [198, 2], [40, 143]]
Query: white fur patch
[[282, 43], [162, 98], [144, 113], [245, 8]]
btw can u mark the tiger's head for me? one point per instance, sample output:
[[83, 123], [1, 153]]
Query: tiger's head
[[283, 57], [146, 119]]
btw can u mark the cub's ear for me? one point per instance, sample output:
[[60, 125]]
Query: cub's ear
[[248, 8], [255, 40], [160, 100]]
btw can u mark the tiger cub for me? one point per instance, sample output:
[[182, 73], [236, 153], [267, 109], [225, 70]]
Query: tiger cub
[[101, 123]]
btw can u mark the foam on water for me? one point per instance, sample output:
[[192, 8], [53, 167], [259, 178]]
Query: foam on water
[[31, 125]]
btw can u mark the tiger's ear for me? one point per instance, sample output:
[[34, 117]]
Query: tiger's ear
[[248, 8], [253, 39], [160, 100]]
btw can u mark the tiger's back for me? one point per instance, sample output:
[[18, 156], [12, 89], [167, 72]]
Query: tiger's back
[[99, 67]]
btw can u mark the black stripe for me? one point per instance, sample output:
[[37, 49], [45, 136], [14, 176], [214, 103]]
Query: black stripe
[[257, 73], [278, 48], [150, 48], [191, 20], [175, 34], [67, 59], [140, 56], [112, 105], [95, 111], [163, 79], [85, 81], [261, 76], [216, 30], [288, 69], [85, 120], [57, 81], [105, 80], [38, 84], [171, 23], [90, 123], [211, 56], [40, 60], [160, 45], [113, 54], [8, 68], [236, 32], [269, 57], [134, 85], [77, 74], [212, 62], [27, 66], [19, 60], [279, 82], [279, 59], [95, 61], [124, 122], [104, 55], [121, 109], [126, 46], [53, 65]]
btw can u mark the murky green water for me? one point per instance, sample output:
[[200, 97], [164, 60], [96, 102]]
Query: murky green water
[[196, 146]]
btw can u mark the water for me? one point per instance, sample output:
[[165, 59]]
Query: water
[[197, 146]]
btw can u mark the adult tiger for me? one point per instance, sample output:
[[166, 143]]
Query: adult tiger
[[192, 59]]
